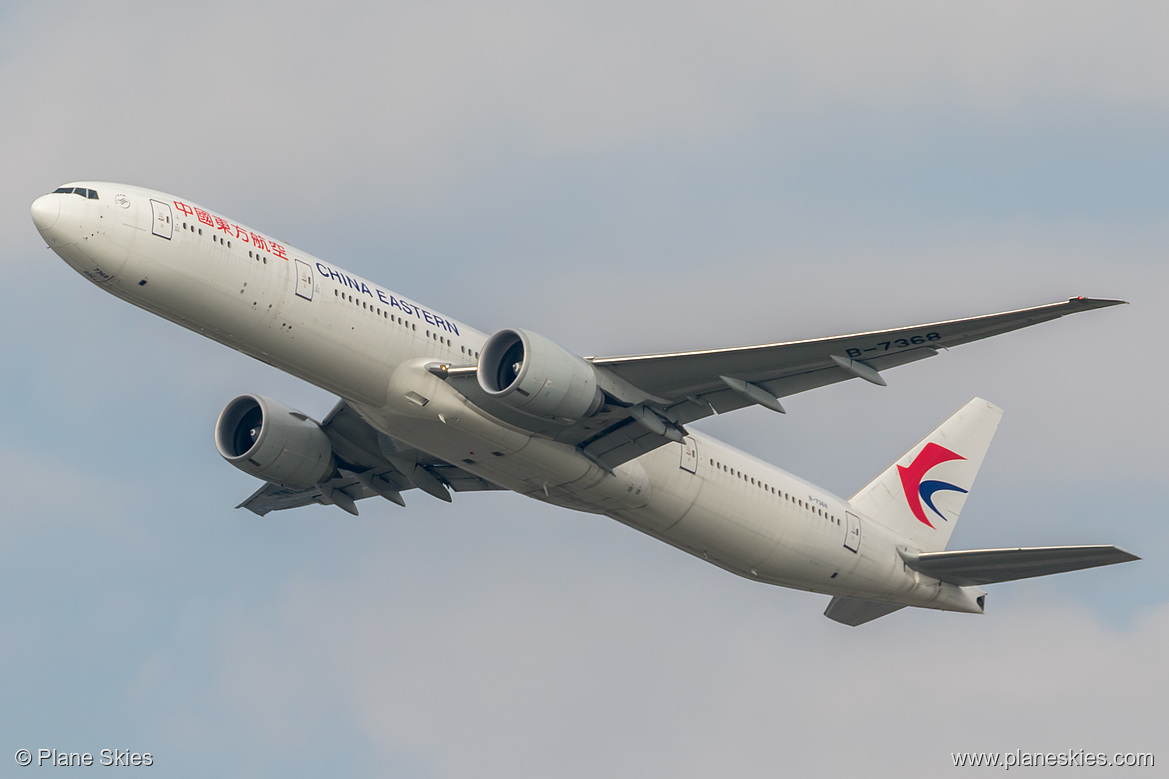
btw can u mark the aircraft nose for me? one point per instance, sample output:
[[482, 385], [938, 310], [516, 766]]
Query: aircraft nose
[[45, 210]]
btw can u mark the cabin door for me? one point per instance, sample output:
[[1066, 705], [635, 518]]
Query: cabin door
[[304, 280], [852, 532], [161, 224], [689, 455]]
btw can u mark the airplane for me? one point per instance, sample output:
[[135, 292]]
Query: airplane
[[429, 402]]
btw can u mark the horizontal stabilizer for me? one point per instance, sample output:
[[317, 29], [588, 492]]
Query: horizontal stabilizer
[[987, 566], [858, 611]]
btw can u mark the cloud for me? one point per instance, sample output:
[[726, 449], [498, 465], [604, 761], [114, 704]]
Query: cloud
[[57, 490], [427, 95], [686, 675]]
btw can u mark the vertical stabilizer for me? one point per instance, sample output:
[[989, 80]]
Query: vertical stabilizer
[[921, 495]]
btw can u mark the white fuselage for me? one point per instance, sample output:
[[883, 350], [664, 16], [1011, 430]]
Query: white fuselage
[[371, 347]]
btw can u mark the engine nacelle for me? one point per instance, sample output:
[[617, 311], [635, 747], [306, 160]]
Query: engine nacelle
[[534, 375], [273, 442]]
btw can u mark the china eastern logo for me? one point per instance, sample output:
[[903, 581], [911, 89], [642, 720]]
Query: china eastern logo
[[918, 491]]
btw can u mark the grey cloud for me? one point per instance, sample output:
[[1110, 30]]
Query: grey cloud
[[506, 680]]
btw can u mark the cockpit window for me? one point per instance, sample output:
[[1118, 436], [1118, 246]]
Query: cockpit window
[[90, 194]]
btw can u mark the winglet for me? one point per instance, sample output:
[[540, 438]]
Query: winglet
[[1087, 304]]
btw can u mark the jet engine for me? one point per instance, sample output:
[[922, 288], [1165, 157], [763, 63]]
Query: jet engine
[[273, 442], [534, 375]]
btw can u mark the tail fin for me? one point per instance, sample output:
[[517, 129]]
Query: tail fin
[[921, 495]]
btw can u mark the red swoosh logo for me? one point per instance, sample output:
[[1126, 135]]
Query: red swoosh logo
[[911, 477]]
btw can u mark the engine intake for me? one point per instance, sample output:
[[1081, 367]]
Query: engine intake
[[534, 375], [273, 442]]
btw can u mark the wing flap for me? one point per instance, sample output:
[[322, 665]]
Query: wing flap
[[988, 566], [273, 497], [622, 442]]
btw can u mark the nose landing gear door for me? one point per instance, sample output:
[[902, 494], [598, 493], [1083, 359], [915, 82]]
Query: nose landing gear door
[[304, 280]]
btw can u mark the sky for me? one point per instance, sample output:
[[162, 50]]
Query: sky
[[622, 178]]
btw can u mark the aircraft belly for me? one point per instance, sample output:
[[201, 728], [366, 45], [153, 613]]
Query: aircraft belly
[[427, 413], [674, 491], [740, 528], [737, 539], [722, 524], [332, 364]]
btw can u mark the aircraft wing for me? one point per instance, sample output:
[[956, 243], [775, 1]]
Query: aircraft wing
[[987, 566], [650, 398], [782, 369], [369, 463]]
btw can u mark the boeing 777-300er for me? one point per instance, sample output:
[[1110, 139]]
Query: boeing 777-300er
[[427, 401]]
